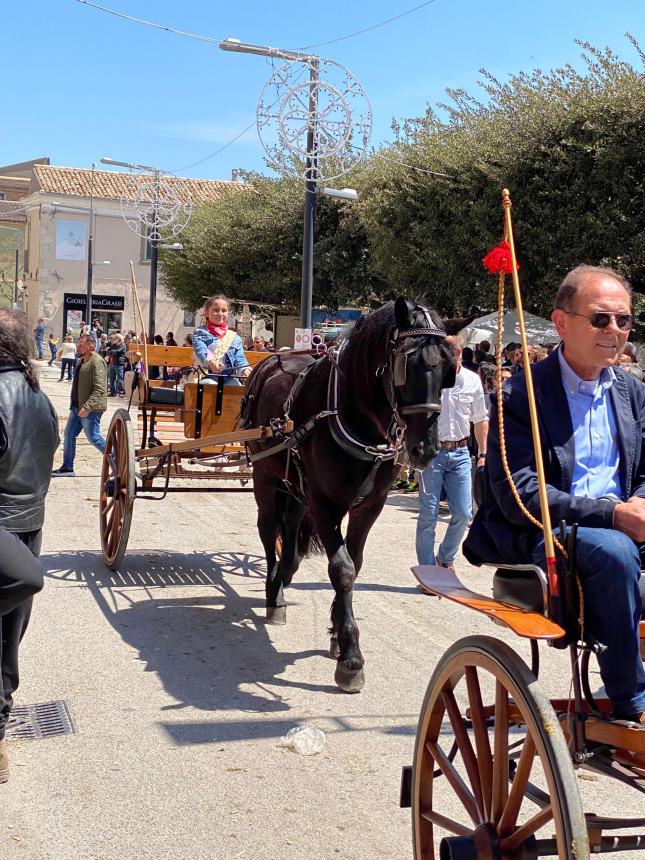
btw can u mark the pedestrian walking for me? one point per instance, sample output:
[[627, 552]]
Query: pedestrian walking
[[88, 403], [28, 439], [451, 469], [67, 358], [39, 334], [52, 343]]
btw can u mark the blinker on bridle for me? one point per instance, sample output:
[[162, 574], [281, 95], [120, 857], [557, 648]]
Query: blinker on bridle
[[399, 367]]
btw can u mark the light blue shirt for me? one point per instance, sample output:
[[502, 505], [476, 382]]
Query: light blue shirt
[[596, 466]]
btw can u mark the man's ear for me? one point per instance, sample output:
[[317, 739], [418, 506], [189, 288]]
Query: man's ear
[[558, 317], [452, 326], [402, 313]]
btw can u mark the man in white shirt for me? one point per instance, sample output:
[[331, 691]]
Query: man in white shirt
[[451, 468]]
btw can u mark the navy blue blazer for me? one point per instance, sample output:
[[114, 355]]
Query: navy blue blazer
[[500, 533]]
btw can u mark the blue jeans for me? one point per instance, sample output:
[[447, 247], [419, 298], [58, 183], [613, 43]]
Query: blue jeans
[[609, 567], [452, 471], [39, 348], [115, 376], [91, 424]]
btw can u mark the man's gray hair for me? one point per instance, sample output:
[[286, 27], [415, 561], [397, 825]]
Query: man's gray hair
[[91, 339], [573, 280]]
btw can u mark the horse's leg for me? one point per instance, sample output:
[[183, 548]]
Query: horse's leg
[[269, 528], [349, 667], [361, 520], [290, 513]]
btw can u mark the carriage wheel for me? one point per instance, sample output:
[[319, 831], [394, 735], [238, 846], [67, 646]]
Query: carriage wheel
[[117, 489], [507, 781]]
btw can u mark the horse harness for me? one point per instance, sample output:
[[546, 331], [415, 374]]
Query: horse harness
[[394, 373]]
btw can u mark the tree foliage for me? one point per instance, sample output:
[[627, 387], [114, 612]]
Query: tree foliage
[[567, 144]]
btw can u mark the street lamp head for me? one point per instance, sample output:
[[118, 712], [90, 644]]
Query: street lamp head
[[176, 246], [342, 193], [262, 50]]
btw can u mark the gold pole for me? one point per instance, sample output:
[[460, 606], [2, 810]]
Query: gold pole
[[549, 546], [138, 308]]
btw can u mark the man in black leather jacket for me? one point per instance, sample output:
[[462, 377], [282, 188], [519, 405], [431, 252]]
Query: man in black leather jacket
[[28, 439]]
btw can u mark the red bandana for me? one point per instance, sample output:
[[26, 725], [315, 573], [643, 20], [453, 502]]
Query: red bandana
[[218, 330]]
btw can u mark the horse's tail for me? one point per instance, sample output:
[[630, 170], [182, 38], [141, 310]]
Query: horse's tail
[[309, 542]]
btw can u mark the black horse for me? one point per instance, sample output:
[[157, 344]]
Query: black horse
[[355, 412]]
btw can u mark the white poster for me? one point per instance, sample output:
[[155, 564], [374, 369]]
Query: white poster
[[302, 338], [71, 239]]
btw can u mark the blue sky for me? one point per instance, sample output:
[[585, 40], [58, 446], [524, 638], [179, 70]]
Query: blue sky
[[85, 84]]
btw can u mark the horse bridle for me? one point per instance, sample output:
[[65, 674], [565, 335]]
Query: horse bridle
[[396, 370]]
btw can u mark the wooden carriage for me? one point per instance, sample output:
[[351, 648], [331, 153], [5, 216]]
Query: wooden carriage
[[188, 441], [493, 746]]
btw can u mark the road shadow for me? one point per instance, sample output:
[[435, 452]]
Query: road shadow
[[211, 649]]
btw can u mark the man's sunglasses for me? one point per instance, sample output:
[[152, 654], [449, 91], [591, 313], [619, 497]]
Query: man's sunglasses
[[601, 319]]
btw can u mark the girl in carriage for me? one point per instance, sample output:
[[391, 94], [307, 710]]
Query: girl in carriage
[[218, 349]]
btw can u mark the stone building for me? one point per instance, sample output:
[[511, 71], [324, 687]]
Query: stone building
[[58, 205]]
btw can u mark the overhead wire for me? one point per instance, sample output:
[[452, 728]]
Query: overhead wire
[[211, 40]]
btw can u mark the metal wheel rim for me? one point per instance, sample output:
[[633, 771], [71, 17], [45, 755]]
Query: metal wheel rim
[[485, 654], [115, 509]]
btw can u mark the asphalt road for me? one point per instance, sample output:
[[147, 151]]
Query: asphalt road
[[180, 693]]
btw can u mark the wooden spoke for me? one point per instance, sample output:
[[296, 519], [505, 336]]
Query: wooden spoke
[[458, 785], [508, 819], [482, 741], [513, 842], [465, 748], [447, 823], [500, 759]]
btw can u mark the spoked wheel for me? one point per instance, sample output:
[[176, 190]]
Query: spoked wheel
[[510, 792], [117, 489]]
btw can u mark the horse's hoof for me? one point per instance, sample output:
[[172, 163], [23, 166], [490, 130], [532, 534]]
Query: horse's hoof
[[349, 680], [334, 649], [276, 615]]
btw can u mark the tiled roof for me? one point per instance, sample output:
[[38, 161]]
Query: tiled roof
[[11, 210], [111, 184]]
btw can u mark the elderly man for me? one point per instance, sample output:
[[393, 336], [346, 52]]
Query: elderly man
[[592, 424], [88, 403], [451, 469], [28, 439]]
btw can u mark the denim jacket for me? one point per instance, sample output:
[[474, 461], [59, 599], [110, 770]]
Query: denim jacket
[[205, 342]]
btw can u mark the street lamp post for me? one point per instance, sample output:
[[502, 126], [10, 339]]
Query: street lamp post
[[90, 256], [307, 279], [154, 240], [314, 144], [162, 212]]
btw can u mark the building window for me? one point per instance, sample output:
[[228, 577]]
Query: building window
[[189, 318], [3, 196], [146, 250]]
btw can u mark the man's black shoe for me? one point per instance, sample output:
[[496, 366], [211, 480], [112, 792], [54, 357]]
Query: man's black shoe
[[63, 472]]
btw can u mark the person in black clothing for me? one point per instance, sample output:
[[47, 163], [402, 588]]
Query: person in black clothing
[[28, 439], [21, 578], [116, 357], [170, 339]]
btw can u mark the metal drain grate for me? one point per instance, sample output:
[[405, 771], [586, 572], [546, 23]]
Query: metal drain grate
[[40, 721]]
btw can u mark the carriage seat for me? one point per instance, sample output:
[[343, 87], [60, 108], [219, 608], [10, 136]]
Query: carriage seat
[[522, 585], [165, 396]]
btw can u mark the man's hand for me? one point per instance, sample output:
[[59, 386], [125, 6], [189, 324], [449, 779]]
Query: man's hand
[[629, 518], [83, 412]]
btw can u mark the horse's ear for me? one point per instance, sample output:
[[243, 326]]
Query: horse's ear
[[402, 313], [452, 326]]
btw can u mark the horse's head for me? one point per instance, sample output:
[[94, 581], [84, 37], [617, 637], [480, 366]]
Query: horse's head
[[422, 364]]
